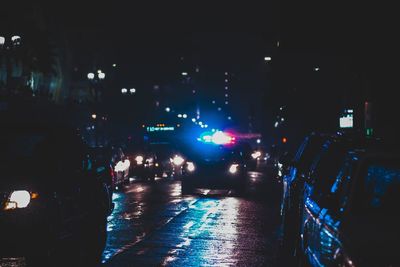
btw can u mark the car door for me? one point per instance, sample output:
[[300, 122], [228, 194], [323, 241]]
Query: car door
[[72, 186], [328, 240]]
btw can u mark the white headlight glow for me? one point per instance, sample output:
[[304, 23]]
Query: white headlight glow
[[190, 167], [234, 168], [21, 198]]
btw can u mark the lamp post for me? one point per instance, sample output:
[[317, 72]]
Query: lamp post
[[95, 80], [8, 48]]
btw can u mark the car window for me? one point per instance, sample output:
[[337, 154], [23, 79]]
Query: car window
[[340, 189], [381, 189], [307, 152], [327, 167]]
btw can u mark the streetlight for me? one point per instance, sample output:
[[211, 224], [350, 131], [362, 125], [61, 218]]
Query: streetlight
[[94, 81], [90, 76], [8, 47], [132, 90], [184, 116], [267, 58], [15, 40], [124, 91], [167, 109]]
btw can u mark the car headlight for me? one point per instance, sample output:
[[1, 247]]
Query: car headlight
[[256, 154], [178, 160], [19, 199], [190, 167], [139, 160], [233, 169]]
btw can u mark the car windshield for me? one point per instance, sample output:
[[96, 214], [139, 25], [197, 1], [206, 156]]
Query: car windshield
[[20, 153], [162, 150], [20, 145], [213, 153]]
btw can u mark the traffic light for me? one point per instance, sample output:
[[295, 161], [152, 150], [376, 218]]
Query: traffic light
[[284, 140]]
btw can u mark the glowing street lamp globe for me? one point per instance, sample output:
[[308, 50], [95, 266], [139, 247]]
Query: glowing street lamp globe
[[90, 76]]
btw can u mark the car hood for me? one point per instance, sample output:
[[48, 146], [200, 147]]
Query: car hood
[[17, 183], [19, 175]]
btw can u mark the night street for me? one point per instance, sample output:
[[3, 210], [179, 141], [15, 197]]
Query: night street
[[154, 225], [220, 134]]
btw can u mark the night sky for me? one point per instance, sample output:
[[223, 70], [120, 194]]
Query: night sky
[[350, 44]]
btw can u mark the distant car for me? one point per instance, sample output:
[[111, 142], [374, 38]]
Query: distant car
[[121, 172], [215, 166], [121, 164], [50, 195], [356, 223], [156, 159]]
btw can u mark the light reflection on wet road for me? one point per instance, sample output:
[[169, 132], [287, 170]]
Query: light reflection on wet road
[[153, 225]]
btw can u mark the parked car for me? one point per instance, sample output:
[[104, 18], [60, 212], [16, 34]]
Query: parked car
[[50, 196], [295, 170], [355, 223], [102, 163]]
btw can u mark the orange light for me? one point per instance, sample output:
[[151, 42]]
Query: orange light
[[34, 195], [284, 140]]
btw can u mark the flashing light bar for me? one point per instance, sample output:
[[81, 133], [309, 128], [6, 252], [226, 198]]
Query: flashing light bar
[[217, 138]]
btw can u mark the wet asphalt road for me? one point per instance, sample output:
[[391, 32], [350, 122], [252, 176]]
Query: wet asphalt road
[[154, 225]]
